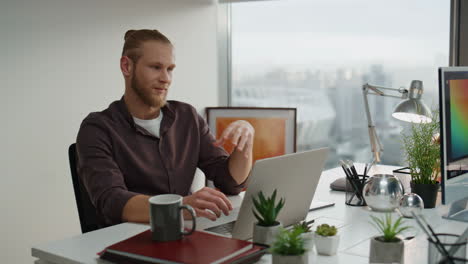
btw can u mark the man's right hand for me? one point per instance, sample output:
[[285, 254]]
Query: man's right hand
[[208, 203]]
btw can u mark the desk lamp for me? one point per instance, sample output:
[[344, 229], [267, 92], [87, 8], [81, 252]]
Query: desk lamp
[[411, 109]]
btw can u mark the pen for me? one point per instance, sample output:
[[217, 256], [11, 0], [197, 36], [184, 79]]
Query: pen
[[353, 169], [350, 179], [347, 171]]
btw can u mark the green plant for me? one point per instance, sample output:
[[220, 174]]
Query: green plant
[[304, 227], [267, 209], [326, 230], [422, 152], [388, 228], [289, 243]]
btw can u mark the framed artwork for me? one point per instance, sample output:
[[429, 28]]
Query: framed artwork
[[275, 128]]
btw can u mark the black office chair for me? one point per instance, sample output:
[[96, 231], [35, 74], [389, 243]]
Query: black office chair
[[86, 211]]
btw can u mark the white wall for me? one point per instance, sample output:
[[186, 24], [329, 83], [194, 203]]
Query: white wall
[[59, 61]]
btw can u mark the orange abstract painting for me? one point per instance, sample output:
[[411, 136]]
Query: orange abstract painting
[[270, 135]]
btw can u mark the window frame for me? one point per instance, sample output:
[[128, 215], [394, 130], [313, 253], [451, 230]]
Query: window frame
[[458, 33]]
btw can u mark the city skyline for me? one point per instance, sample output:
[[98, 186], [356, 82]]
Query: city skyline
[[330, 109]]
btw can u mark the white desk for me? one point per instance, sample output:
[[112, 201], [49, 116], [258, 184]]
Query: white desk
[[353, 223]]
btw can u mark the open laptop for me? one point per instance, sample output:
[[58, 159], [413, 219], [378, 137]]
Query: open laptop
[[295, 176]]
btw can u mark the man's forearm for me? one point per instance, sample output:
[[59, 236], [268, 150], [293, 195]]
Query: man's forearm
[[240, 165], [136, 209]]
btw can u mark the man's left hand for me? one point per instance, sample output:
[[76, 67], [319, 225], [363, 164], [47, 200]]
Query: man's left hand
[[241, 134]]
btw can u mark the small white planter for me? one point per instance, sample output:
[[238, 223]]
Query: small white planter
[[326, 245], [281, 259], [265, 235], [308, 239], [386, 252]]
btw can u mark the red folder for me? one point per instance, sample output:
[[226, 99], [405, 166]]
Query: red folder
[[197, 248]]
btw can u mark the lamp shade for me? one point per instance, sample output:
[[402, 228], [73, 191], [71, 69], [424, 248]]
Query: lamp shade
[[413, 109]]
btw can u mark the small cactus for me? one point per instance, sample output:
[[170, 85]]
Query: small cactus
[[326, 230]]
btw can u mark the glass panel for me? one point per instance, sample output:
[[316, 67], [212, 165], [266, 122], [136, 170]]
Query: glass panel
[[316, 55]]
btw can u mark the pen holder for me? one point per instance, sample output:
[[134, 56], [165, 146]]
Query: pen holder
[[449, 242], [354, 197]]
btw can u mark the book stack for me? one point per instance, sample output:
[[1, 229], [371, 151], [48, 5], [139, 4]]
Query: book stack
[[198, 248]]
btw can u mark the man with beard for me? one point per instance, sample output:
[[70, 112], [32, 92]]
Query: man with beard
[[143, 145]]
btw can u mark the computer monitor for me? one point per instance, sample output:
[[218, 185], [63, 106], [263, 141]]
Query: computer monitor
[[453, 104]]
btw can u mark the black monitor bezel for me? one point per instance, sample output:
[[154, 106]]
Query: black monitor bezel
[[444, 102], [447, 76]]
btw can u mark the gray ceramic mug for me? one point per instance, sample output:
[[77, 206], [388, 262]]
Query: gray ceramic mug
[[166, 219]]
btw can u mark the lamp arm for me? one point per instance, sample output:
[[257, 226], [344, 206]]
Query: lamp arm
[[386, 95], [376, 146], [376, 90]]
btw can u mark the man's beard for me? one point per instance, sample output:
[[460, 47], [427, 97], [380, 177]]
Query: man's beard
[[149, 99]]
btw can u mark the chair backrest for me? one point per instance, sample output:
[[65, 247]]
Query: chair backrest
[[86, 211]]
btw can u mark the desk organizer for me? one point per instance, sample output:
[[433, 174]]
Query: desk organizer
[[456, 249], [355, 197]]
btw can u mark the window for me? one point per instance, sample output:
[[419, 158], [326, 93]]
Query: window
[[316, 55]]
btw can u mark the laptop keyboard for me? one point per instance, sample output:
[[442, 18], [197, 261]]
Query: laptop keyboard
[[224, 229]]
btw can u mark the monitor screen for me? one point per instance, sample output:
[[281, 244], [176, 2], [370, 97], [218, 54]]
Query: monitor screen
[[457, 121], [453, 95]]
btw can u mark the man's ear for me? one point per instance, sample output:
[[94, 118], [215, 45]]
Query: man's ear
[[126, 66]]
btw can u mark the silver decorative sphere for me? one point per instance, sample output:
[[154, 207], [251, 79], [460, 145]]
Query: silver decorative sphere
[[411, 202], [382, 192]]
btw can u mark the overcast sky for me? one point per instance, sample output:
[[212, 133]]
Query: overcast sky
[[340, 33]]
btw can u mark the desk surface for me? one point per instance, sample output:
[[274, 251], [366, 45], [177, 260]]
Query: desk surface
[[353, 223]]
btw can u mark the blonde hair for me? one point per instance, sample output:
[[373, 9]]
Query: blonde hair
[[135, 38]]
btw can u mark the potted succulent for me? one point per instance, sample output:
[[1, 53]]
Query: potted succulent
[[422, 154], [289, 247], [266, 211], [306, 232], [387, 247], [326, 240]]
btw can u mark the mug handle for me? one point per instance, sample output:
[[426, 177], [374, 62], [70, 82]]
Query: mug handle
[[192, 212]]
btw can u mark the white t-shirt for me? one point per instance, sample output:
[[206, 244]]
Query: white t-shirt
[[151, 125]]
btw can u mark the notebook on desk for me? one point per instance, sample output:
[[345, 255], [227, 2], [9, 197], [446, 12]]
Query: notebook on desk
[[198, 248], [295, 176]]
